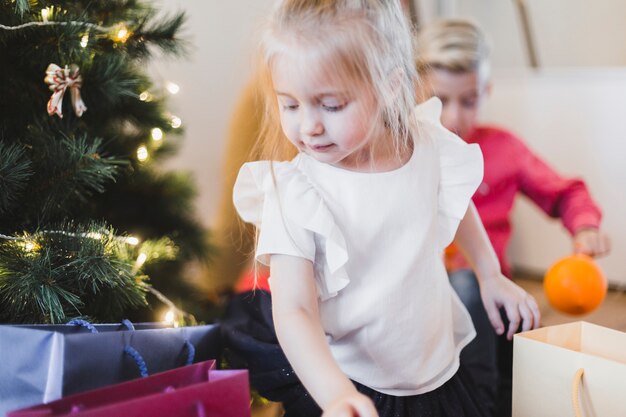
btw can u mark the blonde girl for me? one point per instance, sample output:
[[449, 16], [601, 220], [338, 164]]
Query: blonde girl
[[353, 226]]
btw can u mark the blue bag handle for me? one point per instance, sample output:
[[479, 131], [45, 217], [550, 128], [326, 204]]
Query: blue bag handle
[[83, 323], [79, 322], [141, 363], [191, 352], [132, 352], [128, 324]]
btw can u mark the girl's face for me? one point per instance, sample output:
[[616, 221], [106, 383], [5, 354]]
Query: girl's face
[[461, 95], [321, 116]]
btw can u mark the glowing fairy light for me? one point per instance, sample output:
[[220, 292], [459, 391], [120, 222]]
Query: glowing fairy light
[[84, 41], [29, 246], [176, 122], [173, 88], [141, 259], [142, 153], [169, 317], [45, 13], [131, 240], [94, 235], [157, 134], [122, 33], [145, 96]]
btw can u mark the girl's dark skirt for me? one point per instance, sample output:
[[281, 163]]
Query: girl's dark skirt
[[250, 342]]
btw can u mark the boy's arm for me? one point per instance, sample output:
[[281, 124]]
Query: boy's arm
[[496, 290], [301, 336], [566, 198]]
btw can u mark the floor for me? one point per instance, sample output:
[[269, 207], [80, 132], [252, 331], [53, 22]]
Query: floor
[[612, 314]]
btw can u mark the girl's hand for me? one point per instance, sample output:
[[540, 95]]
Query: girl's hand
[[591, 242], [520, 307], [352, 405]]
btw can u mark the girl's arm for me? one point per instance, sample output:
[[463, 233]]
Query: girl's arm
[[496, 290], [302, 338]]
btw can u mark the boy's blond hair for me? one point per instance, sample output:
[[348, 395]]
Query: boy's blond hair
[[456, 45]]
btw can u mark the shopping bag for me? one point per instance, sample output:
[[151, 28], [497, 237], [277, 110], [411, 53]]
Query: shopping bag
[[570, 370], [192, 391], [41, 363]]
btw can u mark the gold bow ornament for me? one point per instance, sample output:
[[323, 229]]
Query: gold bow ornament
[[59, 80]]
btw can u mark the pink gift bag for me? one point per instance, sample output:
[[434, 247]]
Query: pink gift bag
[[197, 390]]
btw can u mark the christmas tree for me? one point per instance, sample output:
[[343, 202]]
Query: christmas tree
[[85, 215]]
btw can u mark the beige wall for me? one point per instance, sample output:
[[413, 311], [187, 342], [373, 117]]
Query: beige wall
[[567, 33], [222, 32]]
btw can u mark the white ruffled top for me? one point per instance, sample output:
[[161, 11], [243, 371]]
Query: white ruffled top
[[392, 320]]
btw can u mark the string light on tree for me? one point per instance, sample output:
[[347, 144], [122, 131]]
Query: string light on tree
[[173, 88], [84, 41], [176, 122], [169, 317], [157, 134], [45, 13], [131, 240], [122, 33], [141, 259], [142, 153], [145, 96]]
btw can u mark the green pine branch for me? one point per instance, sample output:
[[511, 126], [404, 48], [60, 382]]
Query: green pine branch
[[15, 171], [70, 171], [161, 34], [88, 271], [22, 6]]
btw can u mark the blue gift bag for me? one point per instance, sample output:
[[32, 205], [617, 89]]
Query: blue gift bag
[[41, 363]]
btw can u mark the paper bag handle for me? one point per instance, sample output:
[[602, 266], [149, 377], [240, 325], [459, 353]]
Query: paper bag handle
[[576, 381]]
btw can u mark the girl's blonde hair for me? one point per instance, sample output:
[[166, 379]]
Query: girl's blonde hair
[[359, 43], [456, 45]]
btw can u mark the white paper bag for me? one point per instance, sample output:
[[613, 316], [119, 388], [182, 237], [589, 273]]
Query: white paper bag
[[569, 370]]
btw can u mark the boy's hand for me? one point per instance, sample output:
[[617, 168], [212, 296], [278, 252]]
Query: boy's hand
[[592, 242], [352, 405], [520, 307]]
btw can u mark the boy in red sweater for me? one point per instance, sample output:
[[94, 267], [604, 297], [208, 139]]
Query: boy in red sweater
[[453, 60]]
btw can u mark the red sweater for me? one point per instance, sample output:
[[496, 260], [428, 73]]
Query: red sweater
[[511, 167]]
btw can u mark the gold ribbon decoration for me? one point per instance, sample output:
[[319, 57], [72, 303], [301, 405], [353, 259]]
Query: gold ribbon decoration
[[59, 80]]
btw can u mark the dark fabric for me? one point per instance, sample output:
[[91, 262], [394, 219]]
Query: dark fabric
[[505, 380], [250, 341], [480, 356], [489, 357], [457, 397]]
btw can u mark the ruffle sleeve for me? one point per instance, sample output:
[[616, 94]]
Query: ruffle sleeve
[[289, 212], [461, 170]]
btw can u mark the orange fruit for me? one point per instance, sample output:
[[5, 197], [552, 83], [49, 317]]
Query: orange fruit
[[575, 285]]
